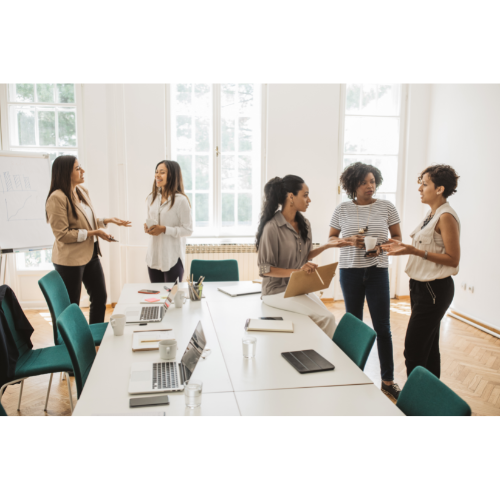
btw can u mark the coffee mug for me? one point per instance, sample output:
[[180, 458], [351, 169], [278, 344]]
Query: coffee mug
[[118, 323], [150, 222], [168, 348], [370, 242], [179, 299]]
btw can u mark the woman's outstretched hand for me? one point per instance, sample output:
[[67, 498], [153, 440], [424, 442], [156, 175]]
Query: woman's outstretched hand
[[118, 222], [309, 267], [395, 247]]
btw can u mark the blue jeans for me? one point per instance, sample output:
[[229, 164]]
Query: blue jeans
[[372, 283]]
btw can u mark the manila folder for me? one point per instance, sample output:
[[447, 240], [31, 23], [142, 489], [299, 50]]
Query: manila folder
[[302, 283]]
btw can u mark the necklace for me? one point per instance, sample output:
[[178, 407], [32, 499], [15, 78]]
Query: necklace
[[426, 221], [363, 230]]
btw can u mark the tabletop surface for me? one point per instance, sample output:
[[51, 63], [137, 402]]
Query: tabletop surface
[[232, 385]]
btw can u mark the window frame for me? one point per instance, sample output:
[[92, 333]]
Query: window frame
[[218, 231], [401, 156], [6, 145]]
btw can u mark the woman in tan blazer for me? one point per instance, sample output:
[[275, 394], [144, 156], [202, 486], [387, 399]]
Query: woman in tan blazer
[[76, 251]]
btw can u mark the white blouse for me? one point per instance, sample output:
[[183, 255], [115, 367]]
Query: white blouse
[[82, 233], [167, 248]]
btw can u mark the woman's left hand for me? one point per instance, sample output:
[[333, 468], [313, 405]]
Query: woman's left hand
[[395, 247], [374, 254], [156, 230], [118, 222]]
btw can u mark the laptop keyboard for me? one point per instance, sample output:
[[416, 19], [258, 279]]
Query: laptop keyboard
[[150, 313], [165, 375]]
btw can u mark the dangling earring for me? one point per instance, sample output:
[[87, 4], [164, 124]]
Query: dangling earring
[[292, 203]]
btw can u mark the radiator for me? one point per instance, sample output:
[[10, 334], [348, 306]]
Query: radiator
[[244, 253]]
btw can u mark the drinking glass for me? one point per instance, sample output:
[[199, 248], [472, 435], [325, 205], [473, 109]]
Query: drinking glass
[[192, 393], [249, 346]]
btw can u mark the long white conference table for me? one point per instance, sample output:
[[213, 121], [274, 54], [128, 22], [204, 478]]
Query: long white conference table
[[232, 385]]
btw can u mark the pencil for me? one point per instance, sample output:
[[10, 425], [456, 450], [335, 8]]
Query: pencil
[[322, 282], [155, 330], [157, 340]]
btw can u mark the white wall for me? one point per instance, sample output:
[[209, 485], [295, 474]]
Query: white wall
[[302, 139], [464, 132]]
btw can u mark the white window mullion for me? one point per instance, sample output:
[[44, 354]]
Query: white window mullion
[[217, 161]]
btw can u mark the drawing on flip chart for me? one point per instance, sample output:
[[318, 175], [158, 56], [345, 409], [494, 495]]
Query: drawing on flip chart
[[20, 200]]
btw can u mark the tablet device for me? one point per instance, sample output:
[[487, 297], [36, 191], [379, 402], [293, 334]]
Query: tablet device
[[308, 361]]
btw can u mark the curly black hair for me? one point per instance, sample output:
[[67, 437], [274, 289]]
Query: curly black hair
[[354, 175], [442, 175]]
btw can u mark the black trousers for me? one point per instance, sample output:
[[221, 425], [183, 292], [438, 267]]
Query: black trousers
[[429, 303], [157, 276], [92, 276]]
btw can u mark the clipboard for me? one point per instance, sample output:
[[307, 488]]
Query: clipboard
[[302, 283]]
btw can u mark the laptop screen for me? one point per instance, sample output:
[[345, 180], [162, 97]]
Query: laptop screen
[[193, 351]]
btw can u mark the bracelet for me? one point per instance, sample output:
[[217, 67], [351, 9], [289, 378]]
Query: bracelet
[[425, 255]]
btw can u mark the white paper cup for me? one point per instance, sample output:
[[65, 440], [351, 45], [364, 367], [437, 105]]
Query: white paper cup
[[370, 242]]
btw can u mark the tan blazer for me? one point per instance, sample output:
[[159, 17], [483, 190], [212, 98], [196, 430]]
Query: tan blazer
[[67, 251]]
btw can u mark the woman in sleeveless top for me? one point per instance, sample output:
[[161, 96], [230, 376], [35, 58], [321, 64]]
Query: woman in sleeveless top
[[434, 258]]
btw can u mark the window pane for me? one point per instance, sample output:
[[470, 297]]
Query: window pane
[[202, 134], [182, 99], [245, 172], [67, 127], [245, 209], [228, 172], [227, 131], [202, 175], [184, 133], [227, 209], [371, 135], [202, 99], [45, 92], [26, 126], [201, 217], [25, 92], [245, 134], [372, 99], [228, 95], [388, 166], [388, 99], [47, 128], [352, 98], [387, 196], [186, 163], [245, 98], [65, 92]]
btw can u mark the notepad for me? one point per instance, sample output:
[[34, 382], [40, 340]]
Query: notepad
[[152, 299], [263, 325], [138, 345]]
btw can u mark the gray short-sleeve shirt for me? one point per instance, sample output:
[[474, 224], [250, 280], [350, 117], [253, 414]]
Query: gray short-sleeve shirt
[[281, 246]]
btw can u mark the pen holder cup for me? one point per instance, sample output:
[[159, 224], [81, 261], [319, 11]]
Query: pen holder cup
[[194, 293]]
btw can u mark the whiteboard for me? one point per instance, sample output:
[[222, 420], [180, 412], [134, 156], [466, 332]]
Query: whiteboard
[[24, 186]]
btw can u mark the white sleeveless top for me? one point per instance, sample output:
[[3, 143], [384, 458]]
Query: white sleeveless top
[[424, 239]]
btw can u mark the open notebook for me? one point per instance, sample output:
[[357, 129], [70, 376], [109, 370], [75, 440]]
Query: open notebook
[[139, 345]]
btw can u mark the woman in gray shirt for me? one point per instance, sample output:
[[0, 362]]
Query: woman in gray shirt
[[284, 245]]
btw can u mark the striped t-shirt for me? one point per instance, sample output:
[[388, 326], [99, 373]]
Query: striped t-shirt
[[382, 214]]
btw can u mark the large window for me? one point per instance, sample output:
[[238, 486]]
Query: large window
[[372, 131], [42, 117], [216, 139]]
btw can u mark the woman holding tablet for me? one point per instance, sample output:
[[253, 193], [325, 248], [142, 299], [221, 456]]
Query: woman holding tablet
[[284, 245], [364, 274], [76, 251], [434, 258], [169, 223]]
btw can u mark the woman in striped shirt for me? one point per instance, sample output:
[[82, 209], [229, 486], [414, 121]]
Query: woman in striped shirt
[[367, 274]]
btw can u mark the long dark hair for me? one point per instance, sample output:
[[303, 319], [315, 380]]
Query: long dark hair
[[275, 193], [62, 168], [174, 185]]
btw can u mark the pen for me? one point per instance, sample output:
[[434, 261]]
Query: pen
[[322, 282], [155, 330], [167, 289]]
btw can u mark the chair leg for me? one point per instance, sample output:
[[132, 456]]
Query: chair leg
[[69, 392], [48, 392], [20, 395]]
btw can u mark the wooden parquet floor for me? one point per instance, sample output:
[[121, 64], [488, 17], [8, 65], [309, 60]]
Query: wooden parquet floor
[[470, 361], [470, 358]]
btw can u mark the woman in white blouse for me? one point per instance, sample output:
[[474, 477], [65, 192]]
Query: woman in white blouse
[[169, 207]]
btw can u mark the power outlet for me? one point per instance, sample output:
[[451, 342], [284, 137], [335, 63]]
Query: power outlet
[[471, 288], [463, 285]]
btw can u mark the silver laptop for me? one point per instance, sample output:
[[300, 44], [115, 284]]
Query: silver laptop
[[153, 313], [241, 289], [168, 376]]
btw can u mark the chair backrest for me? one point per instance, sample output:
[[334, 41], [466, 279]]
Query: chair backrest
[[76, 334], [424, 395], [215, 270], [3, 413], [355, 338], [21, 344], [57, 297]]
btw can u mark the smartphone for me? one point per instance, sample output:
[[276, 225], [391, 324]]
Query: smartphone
[[277, 318], [113, 240], [149, 401], [149, 291]]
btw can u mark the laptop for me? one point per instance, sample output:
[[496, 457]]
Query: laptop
[[168, 376], [151, 314], [242, 289]]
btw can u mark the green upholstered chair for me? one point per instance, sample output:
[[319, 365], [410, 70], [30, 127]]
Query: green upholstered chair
[[76, 334], [424, 395], [55, 293], [215, 270], [355, 338], [3, 413], [33, 362]]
